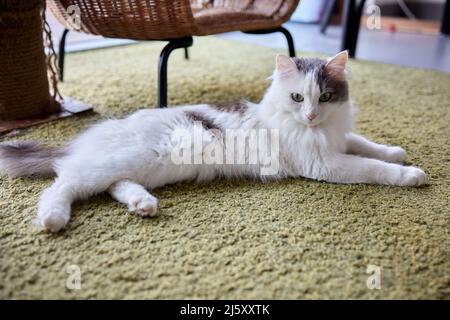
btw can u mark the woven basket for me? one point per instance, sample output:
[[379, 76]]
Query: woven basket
[[137, 19], [24, 88], [169, 19]]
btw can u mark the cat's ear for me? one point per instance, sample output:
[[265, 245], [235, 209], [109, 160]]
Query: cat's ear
[[284, 64], [337, 64]]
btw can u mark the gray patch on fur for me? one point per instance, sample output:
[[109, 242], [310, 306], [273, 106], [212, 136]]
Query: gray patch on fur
[[326, 80], [206, 122], [239, 107], [308, 65], [28, 158]]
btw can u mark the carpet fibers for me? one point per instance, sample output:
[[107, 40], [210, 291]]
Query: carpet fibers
[[290, 239]]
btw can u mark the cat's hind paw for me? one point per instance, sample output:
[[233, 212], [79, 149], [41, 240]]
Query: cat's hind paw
[[413, 177], [52, 220], [144, 206]]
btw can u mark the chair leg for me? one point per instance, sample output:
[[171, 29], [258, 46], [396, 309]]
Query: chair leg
[[186, 53], [445, 25], [284, 31], [162, 67], [351, 24], [289, 39], [61, 54]]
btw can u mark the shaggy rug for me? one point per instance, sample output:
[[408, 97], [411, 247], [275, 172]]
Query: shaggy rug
[[226, 240]]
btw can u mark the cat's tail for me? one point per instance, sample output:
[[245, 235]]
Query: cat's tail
[[28, 158]]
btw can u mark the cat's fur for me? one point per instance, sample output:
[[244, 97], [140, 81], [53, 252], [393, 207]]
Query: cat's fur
[[128, 156]]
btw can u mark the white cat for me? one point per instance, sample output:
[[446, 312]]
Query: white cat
[[308, 103]]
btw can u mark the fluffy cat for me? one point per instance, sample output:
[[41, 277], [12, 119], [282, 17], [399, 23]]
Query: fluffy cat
[[308, 103]]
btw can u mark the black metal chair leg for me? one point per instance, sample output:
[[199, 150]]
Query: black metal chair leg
[[289, 40], [445, 25], [186, 53], [162, 67], [284, 31], [61, 54], [352, 20], [347, 30]]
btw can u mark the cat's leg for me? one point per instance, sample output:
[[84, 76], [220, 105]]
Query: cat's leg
[[54, 204], [55, 201], [344, 168], [359, 145], [135, 196]]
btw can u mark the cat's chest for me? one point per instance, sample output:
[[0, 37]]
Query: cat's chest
[[308, 149], [312, 140]]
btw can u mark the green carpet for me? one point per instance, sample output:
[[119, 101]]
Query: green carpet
[[226, 240]]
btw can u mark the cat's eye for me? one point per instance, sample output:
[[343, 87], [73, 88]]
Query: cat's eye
[[297, 97], [325, 97]]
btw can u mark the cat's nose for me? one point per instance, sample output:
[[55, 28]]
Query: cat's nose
[[311, 116]]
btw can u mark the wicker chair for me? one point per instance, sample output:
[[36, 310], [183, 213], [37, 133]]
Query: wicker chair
[[175, 21]]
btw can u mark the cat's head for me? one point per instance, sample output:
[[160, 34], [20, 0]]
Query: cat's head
[[311, 89]]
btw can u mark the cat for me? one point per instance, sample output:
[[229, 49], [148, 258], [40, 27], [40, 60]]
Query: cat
[[307, 105]]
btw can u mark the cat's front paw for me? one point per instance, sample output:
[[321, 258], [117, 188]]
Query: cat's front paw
[[395, 155], [412, 176], [144, 205]]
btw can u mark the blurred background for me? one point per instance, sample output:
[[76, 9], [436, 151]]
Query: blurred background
[[403, 32]]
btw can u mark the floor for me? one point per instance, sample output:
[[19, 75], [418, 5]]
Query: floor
[[413, 50], [290, 239], [409, 49]]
